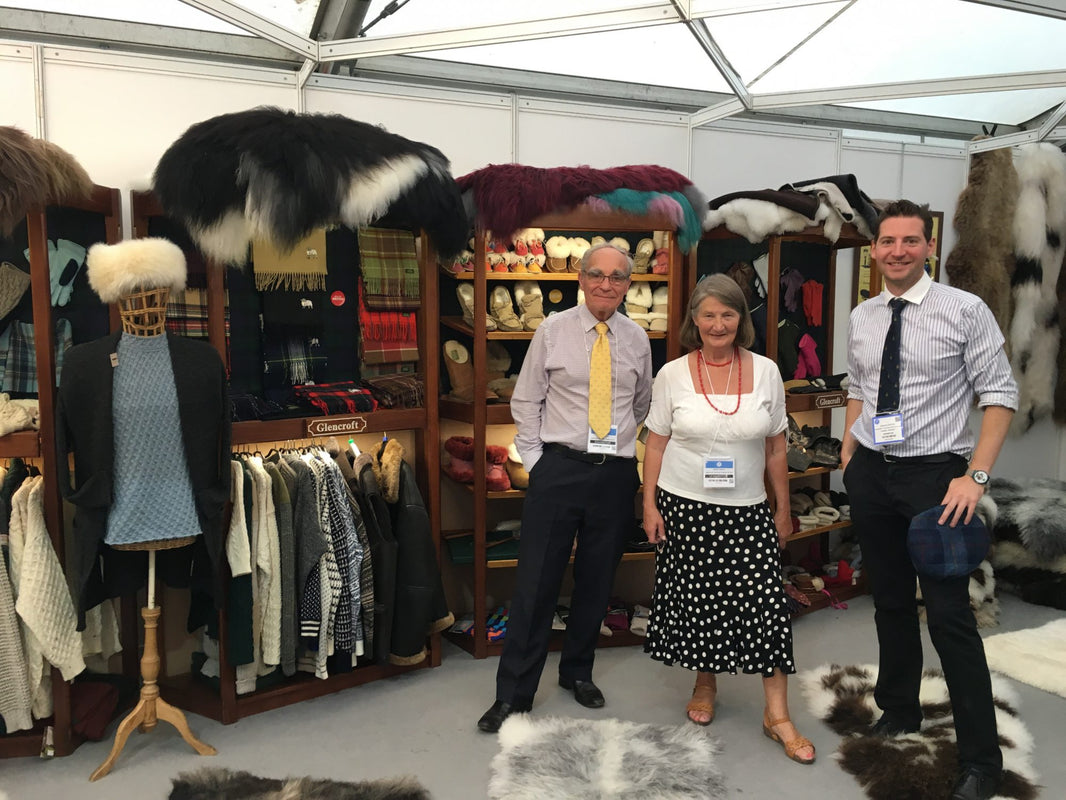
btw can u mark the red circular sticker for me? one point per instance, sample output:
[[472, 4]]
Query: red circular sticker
[[337, 298]]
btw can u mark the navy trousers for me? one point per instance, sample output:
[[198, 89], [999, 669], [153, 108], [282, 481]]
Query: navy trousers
[[566, 498], [884, 497]]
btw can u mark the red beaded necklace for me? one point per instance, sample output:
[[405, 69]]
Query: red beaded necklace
[[740, 379]]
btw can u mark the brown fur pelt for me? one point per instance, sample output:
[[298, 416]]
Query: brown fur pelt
[[214, 783], [916, 766], [982, 260], [34, 172], [387, 470]]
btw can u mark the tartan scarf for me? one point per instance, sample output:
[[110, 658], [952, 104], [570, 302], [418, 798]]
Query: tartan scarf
[[389, 267], [18, 358], [343, 397], [397, 391]]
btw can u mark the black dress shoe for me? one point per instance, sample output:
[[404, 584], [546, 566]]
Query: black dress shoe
[[887, 726], [585, 692], [975, 785], [492, 719]]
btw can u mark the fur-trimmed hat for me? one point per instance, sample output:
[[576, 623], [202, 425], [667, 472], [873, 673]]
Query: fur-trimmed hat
[[134, 265]]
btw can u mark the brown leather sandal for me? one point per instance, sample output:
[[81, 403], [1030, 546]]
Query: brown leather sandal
[[702, 702], [792, 745]]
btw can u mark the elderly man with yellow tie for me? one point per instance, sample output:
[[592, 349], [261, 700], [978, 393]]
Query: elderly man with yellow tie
[[584, 388]]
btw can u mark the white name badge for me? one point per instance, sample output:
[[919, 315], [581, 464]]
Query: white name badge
[[607, 445], [719, 473], [888, 428]]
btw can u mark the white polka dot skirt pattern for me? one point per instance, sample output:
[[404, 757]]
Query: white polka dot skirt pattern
[[719, 603]]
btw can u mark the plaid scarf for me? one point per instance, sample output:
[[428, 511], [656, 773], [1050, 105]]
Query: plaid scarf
[[291, 361], [390, 269], [343, 397], [386, 336], [18, 359], [397, 391]]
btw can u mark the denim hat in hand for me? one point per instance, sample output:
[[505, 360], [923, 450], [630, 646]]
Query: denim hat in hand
[[940, 551]]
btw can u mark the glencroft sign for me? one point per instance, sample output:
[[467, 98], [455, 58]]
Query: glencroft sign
[[830, 400], [330, 426]]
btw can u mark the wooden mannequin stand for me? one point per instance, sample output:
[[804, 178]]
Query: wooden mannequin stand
[[144, 314]]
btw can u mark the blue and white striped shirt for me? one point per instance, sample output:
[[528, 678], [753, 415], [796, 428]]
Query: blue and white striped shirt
[[951, 350]]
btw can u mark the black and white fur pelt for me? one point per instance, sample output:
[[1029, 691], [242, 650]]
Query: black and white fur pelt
[[214, 783], [276, 175], [1039, 243], [1029, 538]]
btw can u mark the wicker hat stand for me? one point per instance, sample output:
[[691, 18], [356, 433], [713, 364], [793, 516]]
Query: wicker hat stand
[[144, 313]]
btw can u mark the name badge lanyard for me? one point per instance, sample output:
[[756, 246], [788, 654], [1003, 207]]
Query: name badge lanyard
[[724, 476]]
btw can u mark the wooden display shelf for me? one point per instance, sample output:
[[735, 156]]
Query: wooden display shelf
[[20, 444], [840, 593], [815, 401], [849, 236], [511, 563], [456, 323], [509, 494], [495, 413], [193, 694], [555, 643], [280, 430], [819, 530], [466, 275], [812, 471], [23, 744]]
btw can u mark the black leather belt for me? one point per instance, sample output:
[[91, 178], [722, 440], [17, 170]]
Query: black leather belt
[[580, 455], [935, 458]]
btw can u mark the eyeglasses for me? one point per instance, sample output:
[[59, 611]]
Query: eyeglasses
[[595, 276]]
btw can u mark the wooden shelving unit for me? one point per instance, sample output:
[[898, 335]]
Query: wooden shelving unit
[[221, 702], [481, 414], [105, 203]]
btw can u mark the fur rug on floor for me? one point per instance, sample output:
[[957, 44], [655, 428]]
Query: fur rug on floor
[[917, 766], [580, 759], [214, 783], [1036, 656]]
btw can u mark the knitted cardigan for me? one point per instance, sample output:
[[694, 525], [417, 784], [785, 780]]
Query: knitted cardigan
[[42, 598]]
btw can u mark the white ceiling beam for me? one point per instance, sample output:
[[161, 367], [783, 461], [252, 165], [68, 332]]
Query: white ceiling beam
[[1053, 119], [1014, 139], [726, 108], [1049, 8], [972, 84], [718, 10], [713, 51], [259, 25], [593, 22]]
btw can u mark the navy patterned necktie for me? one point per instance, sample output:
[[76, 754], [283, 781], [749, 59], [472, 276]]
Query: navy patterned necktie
[[888, 386]]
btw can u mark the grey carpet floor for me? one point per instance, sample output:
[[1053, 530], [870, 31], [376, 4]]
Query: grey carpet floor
[[423, 724]]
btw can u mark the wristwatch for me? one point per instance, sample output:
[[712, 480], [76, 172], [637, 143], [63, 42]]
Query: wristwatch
[[979, 476]]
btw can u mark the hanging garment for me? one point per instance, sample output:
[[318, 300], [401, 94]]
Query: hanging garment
[[287, 549], [384, 551], [366, 571], [42, 598], [15, 701], [420, 606]]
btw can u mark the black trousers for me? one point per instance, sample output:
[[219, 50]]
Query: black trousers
[[565, 498], [884, 497]]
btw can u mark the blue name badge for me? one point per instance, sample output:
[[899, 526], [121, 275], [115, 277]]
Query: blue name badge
[[888, 428], [719, 473]]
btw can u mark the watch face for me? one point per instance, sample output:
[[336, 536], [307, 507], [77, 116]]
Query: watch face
[[980, 476]]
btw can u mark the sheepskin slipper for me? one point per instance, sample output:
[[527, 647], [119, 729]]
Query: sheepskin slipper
[[496, 478], [461, 466]]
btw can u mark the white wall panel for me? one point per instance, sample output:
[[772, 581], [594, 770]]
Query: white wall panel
[[472, 129], [935, 178], [877, 166], [16, 88], [733, 157], [571, 134], [117, 114]]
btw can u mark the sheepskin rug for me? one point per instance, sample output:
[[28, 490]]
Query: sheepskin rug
[[916, 766], [1036, 656], [214, 783], [579, 759]]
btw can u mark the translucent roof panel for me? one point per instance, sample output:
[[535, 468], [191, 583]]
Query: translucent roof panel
[[907, 40], [1007, 108], [636, 55], [170, 13], [296, 15], [423, 16]]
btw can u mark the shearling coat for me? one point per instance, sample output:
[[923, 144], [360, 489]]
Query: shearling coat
[[85, 428]]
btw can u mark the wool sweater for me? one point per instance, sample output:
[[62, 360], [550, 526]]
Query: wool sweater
[[14, 681], [42, 598]]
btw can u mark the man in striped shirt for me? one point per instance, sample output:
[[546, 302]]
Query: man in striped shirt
[[908, 447], [581, 482]]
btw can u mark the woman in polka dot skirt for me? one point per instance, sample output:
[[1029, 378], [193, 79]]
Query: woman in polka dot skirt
[[716, 428]]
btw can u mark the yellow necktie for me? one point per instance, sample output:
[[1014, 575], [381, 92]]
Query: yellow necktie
[[600, 383]]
